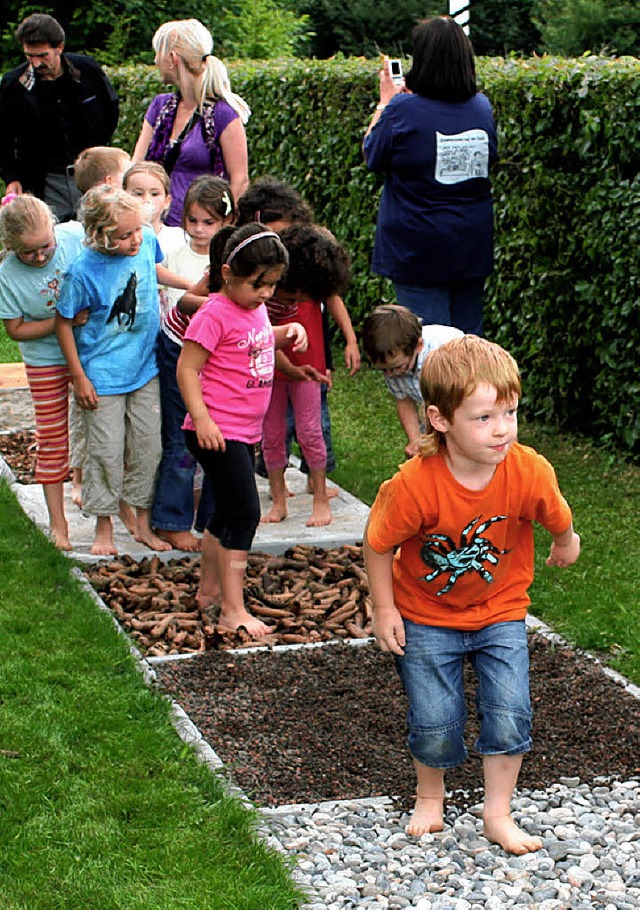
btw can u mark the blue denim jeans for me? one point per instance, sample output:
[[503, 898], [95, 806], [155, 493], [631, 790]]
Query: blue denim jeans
[[458, 303], [173, 502], [431, 671]]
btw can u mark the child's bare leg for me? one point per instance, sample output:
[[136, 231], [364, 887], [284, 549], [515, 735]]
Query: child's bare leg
[[145, 534], [209, 589], [331, 491], [54, 498], [76, 487], [103, 544], [127, 516], [428, 813], [321, 511], [500, 778], [278, 510], [233, 614]]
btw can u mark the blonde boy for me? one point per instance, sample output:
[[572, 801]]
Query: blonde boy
[[461, 519], [100, 164]]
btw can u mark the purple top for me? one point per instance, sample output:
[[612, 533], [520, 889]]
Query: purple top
[[195, 158]]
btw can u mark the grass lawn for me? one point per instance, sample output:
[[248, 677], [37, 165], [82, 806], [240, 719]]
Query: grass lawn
[[102, 805], [595, 604], [9, 352]]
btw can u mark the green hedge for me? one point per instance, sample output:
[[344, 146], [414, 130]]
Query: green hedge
[[564, 297]]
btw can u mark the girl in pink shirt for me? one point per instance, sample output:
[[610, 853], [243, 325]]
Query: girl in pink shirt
[[225, 374]]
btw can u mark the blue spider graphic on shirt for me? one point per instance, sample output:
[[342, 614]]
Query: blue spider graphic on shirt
[[440, 553]]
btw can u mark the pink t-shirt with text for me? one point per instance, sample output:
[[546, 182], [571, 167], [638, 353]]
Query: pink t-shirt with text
[[237, 377]]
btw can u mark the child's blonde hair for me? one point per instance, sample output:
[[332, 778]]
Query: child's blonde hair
[[453, 371], [94, 165], [152, 169], [213, 194], [192, 42], [100, 211], [390, 330], [23, 215]]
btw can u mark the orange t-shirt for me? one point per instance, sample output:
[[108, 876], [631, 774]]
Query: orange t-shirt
[[465, 557]]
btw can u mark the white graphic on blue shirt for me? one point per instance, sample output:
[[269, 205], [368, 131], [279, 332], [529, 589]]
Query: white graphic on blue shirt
[[124, 306], [462, 156], [441, 554]]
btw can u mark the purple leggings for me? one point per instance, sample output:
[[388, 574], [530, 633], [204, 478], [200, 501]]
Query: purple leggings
[[305, 400]]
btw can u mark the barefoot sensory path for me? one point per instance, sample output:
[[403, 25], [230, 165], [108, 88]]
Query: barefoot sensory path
[[338, 804]]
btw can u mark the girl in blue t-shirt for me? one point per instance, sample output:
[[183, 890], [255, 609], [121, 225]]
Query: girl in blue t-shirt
[[31, 276], [112, 360]]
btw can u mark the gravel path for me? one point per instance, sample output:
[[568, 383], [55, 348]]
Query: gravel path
[[356, 854]]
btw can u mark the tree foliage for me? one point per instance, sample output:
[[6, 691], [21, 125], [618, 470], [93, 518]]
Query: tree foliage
[[501, 27], [574, 27], [365, 28], [120, 31], [261, 30], [116, 31]]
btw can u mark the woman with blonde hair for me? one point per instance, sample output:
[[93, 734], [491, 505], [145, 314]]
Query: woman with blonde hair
[[199, 129]]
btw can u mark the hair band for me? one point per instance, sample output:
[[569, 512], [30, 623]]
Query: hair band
[[250, 240], [228, 206], [8, 199]]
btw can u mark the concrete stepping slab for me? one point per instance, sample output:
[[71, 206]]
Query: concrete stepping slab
[[347, 526], [13, 376], [349, 513]]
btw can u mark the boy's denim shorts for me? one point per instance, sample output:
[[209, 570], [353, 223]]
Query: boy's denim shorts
[[431, 671]]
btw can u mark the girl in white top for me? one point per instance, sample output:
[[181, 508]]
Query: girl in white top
[[208, 207], [149, 182]]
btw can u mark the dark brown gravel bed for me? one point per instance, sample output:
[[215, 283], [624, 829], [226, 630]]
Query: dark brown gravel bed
[[329, 723], [19, 451]]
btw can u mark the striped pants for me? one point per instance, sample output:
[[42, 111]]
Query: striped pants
[[49, 387]]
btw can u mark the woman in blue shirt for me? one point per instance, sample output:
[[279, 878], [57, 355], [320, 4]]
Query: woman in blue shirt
[[434, 141]]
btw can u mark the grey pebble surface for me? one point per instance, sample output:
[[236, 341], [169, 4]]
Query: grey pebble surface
[[356, 853]]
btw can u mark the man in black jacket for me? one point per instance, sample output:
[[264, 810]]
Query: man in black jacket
[[51, 108]]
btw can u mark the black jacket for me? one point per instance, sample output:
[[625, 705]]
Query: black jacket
[[44, 125]]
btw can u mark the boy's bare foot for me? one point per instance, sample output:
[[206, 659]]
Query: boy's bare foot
[[427, 816], [103, 544], [151, 540], [332, 492], [60, 537], [504, 832], [180, 540], [144, 533], [232, 620], [277, 512], [320, 515], [127, 516]]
